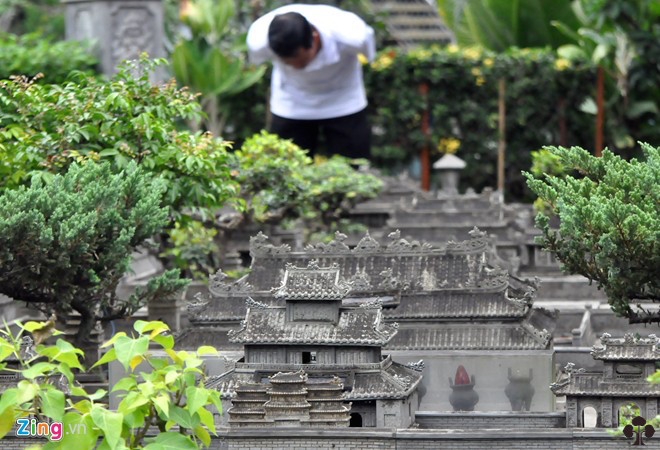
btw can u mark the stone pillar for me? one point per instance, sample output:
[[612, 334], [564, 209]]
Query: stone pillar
[[606, 412], [122, 29], [651, 408], [572, 419]]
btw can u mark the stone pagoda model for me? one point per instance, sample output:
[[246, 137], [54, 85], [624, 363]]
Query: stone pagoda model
[[289, 401], [335, 345], [628, 362]]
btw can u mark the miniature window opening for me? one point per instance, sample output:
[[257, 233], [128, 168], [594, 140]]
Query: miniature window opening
[[309, 357], [356, 421]]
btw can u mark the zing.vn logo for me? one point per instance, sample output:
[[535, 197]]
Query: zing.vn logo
[[637, 431], [53, 430]]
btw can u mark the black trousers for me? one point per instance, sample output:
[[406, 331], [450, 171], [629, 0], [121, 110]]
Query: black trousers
[[347, 135]]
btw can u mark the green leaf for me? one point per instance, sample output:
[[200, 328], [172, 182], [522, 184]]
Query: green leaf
[[99, 394], [183, 417], [207, 419], [125, 384], [113, 339], [163, 402], [110, 423], [37, 370], [5, 350], [171, 441], [167, 342], [107, 357], [131, 402], [78, 432], [195, 398], [127, 348], [26, 391], [7, 419], [206, 350], [52, 404], [203, 435], [33, 326]]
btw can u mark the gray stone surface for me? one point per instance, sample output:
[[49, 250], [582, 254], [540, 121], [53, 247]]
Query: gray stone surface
[[122, 29]]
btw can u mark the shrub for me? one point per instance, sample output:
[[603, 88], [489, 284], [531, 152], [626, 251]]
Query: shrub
[[44, 128], [33, 53], [65, 245], [609, 224]]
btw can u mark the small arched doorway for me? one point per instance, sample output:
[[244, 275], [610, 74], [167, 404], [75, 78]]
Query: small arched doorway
[[589, 417], [356, 420]]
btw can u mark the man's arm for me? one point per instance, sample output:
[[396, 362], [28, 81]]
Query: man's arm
[[354, 33], [257, 40]]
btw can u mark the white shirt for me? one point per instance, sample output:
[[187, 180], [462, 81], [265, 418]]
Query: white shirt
[[331, 84]]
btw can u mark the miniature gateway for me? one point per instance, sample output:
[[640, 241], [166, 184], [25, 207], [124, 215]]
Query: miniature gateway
[[628, 363], [315, 333]]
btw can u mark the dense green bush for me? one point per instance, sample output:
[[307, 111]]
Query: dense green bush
[[462, 100], [65, 245], [279, 181], [540, 90], [609, 224], [43, 128], [33, 53]]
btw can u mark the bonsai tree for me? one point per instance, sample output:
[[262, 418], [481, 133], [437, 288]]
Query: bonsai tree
[[280, 182], [171, 396], [66, 244], [609, 224]]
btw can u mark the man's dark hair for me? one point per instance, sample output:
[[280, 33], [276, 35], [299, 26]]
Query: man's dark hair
[[288, 32]]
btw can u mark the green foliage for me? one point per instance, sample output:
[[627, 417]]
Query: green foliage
[[335, 187], [211, 62], [33, 53], [610, 224], [171, 396], [44, 128], [271, 172], [66, 244], [26, 16], [279, 181], [621, 37], [191, 248], [541, 90], [500, 24]]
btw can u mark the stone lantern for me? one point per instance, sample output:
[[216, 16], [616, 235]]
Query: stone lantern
[[449, 167]]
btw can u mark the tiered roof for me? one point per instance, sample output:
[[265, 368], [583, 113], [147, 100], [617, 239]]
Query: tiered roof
[[356, 326]]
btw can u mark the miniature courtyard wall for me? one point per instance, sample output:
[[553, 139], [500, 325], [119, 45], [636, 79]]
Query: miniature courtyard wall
[[452, 309]]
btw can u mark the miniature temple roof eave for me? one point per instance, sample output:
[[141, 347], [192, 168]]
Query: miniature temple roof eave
[[356, 326], [592, 384], [397, 382], [467, 336], [627, 348], [457, 304]]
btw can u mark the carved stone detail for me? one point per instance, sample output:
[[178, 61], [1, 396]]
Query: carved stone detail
[[196, 306], [133, 33], [260, 247], [416, 366], [219, 286]]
